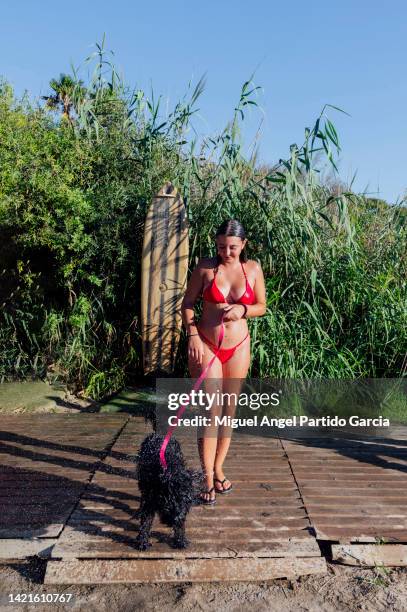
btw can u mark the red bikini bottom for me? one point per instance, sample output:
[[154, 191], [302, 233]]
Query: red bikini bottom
[[223, 354]]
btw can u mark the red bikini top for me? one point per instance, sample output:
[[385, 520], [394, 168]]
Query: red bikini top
[[214, 295]]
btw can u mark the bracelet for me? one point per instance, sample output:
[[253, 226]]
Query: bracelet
[[189, 335], [245, 310]]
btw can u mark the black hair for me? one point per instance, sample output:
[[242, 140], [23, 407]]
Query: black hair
[[232, 227]]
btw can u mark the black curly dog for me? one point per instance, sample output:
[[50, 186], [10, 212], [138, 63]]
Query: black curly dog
[[170, 492]]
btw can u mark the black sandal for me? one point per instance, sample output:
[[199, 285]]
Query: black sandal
[[223, 491], [208, 502]]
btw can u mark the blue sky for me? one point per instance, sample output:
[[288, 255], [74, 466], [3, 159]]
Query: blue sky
[[350, 54]]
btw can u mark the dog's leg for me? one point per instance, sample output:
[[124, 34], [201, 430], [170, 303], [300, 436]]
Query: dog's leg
[[180, 539], [146, 520]]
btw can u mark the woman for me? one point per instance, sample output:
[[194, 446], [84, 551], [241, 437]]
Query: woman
[[233, 290]]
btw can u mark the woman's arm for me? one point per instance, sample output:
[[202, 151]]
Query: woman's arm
[[194, 288], [192, 293], [259, 308]]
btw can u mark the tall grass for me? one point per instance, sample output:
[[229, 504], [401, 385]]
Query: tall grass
[[73, 197]]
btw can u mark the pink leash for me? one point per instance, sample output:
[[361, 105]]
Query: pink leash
[[183, 407]]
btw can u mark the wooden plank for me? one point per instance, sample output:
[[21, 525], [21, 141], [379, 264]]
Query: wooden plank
[[356, 478], [336, 514], [250, 481], [361, 534], [160, 570], [39, 492], [363, 455], [389, 555], [35, 500], [237, 519], [260, 532], [117, 514], [105, 548], [235, 522], [231, 525], [21, 517], [357, 492], [133, 501], [118, 482], [355, 449], [361, 521], [48, 472], [51, 530], [32, 480], [339, 500], [353, 486], [116, 534], [374, 463], [208, 537]]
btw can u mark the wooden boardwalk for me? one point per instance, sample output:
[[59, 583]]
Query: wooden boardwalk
[[46, 462], [69, 494], [354, 487]]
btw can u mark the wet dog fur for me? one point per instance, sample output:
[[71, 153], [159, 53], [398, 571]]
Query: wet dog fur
[[170, 492]]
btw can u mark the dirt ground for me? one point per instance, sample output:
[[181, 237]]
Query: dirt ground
[[341, 589], [73, 403]]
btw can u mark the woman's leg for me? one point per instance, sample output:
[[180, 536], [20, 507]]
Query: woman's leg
[[207, 442], [234, 372]]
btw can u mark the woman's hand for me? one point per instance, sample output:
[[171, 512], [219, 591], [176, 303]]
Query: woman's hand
[[195, 348], [233, 312]]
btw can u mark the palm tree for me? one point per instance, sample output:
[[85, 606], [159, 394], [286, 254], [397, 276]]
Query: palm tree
[[67, 93]]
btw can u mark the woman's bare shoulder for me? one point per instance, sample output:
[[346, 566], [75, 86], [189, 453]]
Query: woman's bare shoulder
[[253, 265]]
